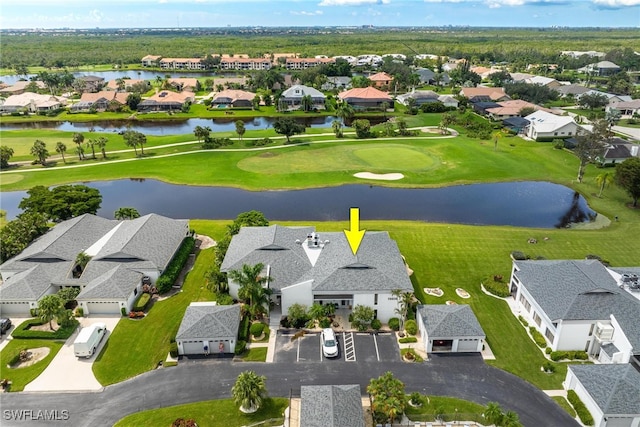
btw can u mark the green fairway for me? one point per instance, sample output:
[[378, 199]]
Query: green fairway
[[210, 413]]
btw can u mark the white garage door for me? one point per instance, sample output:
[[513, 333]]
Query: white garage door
[[103, 307], [14, 308], [193, 347], [467, 345]]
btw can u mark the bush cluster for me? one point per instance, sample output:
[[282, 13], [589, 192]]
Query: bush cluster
[[241, 346], [224, 298], [256, 329], [497, 288], [537, 337], [170, 274], [243, 331], [519, 256], [326, 323], [257, 142], [376, 324], [63, 332], [211, 143], [407, 340], [549, 367], [394, 324], [523, 321], [581, 410], [411, 327], [173, 349], [569, 355], [142, 302]]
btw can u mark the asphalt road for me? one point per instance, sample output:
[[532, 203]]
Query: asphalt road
[[463, 376]]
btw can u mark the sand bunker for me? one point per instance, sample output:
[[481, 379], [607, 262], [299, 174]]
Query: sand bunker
[[383, 176]]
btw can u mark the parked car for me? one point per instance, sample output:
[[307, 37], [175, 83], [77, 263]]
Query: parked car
[[5, 325], [87, 341], [329, 343]]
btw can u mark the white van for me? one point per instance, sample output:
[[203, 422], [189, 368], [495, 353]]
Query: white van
[[88, 340]]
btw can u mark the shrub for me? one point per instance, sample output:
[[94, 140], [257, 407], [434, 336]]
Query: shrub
[[243, 330], [224, 298], [123, 311], [407, 340], [241, 346], [549, 367], [325, 323], [581, 410], [136, 314], [79, 312], [376, 324], [256, 329], [523, 321], [284, 322], [519, 256], [497, 288], [410, 354], [170, 274], [569, 355], [411, 327], [547, 350], [63, 332], [394, 324], [297, 315], [33, 312], [415, 398], [173, 349], [537, 337], [142, 302]]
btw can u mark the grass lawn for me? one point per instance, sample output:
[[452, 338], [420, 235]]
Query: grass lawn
[[20, 377], [136, 346], [210, 413], [467, 411], [564, 403], [258, 354]]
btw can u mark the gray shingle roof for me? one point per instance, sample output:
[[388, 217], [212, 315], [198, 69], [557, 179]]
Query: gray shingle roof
[[614, 387], [444, 321], [331, 406], [117, 282], [381, 265], [209, 321], [29, 284], [580, 290], [298, 91]]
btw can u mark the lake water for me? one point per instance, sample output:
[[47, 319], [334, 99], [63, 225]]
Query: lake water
[[522, 204], [112, 75], [169, 127]]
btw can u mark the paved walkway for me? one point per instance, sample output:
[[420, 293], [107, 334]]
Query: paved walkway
[[66, 372]]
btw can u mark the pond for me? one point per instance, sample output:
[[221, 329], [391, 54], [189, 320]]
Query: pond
[[132, 74], [169, 127], [521, 204]]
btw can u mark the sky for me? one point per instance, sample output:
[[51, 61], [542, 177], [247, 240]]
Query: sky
[[269, 13]]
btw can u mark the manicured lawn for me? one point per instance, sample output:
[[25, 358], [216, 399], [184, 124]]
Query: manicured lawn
[[466, 411], [564, 403], [258, 354], [20, 377], [210, 413], [136, 346]]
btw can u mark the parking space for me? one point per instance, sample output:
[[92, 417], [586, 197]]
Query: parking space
[[353, 347]]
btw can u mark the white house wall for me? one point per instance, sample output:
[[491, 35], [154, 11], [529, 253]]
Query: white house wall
[[573, 335], [545, 322], [234, 287], [300, 293], [621, 342], [386, 304], [572, 383]]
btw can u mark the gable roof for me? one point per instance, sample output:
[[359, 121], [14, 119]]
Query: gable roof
[[380, 77], [572, 89], [543, 121], [232, 95], [580, 290], [331, 406], [494, 93], [450, 321], [367, 93], [298, 91], [513, 107], [418, 94], [614, 387], [115, 283], [30, 284], [206, 320]]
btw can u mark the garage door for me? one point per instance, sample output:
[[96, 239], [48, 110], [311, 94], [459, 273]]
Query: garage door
[[467, 345], [619, 422], [14, 308], [193, 347], [103, 307]]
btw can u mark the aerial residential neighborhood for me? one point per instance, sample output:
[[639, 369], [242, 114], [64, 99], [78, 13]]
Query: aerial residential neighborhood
[[355, 219]]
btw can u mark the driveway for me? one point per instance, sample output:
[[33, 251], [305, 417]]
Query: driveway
[[66, 372]]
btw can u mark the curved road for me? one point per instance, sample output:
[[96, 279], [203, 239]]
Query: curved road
[[463, 376]]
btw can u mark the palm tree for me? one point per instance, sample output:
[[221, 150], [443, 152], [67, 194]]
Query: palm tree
[[317, 311], [337, 128], [240, 129], [82, 259], [101, 143], [61, 149], [78, 139], [511, 419], [306, 103], [249, 391], [604, 179], [384, 106], [39, 151], [447, 120], [404, 302], [345, 112], [91, 143], [251, 285], [49, 307], [496, 136], [126, 213], [493, 414]]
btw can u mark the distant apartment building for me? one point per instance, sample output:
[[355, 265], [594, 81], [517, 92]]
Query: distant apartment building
[[239, 63], [151, 60], [181, 64], [304, 63]]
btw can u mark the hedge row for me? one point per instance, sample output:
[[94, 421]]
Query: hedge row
[[142, 302], [496, 288], [241, 346], [523, 321], [581, 410], [537, 337], [22, 331], [407, 340], [170, 274], [243, 330], [571, 355]]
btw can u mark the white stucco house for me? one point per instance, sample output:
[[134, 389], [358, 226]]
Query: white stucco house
[[449, 328], [545, 126], [122, 253], [308, 267], [581, 305], [292, 97], [611, 393], [207, 328]]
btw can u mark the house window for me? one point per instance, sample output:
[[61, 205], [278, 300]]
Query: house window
[[549, 335], [555, 133], [591, 329], [375, 299], [536, 318], [375, 314], [569, 133], [135, 291]]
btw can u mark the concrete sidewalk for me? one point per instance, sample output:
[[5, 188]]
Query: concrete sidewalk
[[66, 372]]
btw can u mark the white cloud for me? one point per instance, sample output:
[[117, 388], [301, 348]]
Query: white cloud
[[617, 3], [305, 13], [352, 2], [445, 1]]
